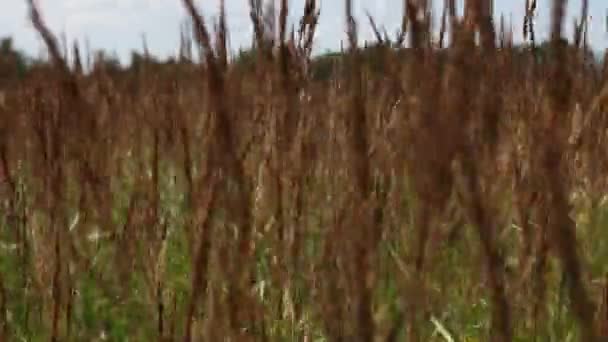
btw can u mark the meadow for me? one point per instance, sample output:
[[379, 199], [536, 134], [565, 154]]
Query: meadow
[[441, 184]]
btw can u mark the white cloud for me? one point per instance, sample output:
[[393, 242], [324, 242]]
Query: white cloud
[[82, 22]]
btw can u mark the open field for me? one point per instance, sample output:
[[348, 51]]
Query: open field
[[453, 190]]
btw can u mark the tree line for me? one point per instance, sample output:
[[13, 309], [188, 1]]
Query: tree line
[[16, 65]]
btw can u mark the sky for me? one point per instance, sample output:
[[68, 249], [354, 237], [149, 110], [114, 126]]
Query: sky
[[119, 25]]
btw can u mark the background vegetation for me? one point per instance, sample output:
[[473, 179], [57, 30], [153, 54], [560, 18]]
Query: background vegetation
[[420, 188]]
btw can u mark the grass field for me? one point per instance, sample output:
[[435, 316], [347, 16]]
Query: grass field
[[427, 187]]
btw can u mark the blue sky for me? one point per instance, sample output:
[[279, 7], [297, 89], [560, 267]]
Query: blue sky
[[118, 25]]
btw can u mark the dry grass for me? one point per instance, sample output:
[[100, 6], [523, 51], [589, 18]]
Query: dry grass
[[416, 194]]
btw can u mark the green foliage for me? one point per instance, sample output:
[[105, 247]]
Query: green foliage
[[13, 63]]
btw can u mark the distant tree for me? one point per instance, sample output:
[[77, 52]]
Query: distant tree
[[108, 63], [139, 60], [324, 67], [373, 56], [245, 60], [13, 63]]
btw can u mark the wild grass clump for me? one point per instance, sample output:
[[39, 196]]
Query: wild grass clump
[[415, 189]]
